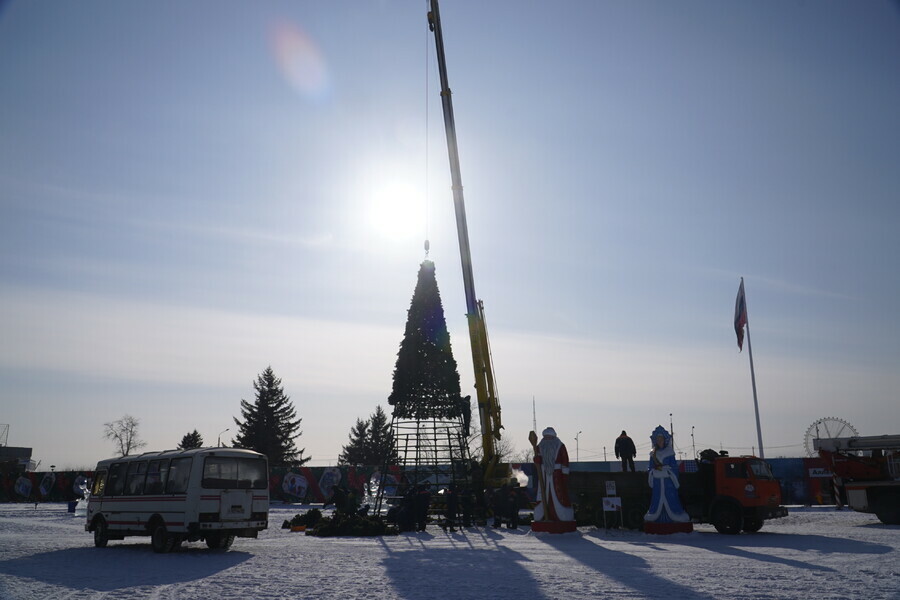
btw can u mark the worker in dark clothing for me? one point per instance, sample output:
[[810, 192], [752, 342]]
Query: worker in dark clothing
[[405, 515], [512, 507], [467, 501], [498, 504], [626, 451], [339, 498], [423, 500], [452, 507]]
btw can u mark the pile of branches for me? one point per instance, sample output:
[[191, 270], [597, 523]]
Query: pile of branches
[[343, 524], [307, 519]]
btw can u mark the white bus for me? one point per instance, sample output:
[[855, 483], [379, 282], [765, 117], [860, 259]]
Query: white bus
[[211, 494]]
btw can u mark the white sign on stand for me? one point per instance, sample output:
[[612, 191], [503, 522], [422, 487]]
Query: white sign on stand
[[612, 504]]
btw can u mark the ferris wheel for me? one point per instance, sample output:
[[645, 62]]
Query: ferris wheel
[[827, 428]]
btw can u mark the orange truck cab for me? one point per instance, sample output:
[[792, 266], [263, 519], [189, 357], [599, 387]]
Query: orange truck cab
[[733, 493]]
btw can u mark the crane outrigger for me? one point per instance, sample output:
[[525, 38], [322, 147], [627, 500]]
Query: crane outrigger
[[485, 388]]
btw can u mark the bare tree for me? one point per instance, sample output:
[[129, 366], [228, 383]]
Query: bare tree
[[124, 434]]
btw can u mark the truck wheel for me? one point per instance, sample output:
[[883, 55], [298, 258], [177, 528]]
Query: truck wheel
[[160, 539], [727, 519], [888, 509], [101, 533], [752, 524]]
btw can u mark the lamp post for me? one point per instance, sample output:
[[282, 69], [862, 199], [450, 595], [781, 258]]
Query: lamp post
[[576, 446], [219, 443]]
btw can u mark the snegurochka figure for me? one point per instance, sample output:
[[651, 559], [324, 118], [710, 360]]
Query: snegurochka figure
[[666, 514]]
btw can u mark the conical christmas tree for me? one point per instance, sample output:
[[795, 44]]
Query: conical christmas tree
[[426, 380]]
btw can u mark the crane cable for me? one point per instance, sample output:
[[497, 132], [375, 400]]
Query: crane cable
[[427, 35]]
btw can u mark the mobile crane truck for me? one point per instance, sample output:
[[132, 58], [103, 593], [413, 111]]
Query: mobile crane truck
[[868, 469]]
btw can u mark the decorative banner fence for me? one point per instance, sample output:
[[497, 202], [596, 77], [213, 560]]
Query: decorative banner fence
[[803, 481]]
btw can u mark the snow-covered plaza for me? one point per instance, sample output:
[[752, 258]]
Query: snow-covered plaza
[[813, 553]]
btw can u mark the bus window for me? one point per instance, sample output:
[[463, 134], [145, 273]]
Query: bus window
[[234, 473], [254, 472], [99, 483], [134, 481], [156, 477], [179, 475], [116, 479]]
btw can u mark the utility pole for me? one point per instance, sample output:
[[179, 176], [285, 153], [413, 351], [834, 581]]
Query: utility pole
[[576, 446]]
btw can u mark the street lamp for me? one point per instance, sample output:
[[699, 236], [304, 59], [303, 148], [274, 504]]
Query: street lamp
[[576, 446], [219, 443]]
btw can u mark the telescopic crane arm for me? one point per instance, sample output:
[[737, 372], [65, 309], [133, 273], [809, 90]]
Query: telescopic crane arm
[[488, 404]]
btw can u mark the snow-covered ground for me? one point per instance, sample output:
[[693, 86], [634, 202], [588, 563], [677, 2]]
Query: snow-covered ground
[[814, 553]]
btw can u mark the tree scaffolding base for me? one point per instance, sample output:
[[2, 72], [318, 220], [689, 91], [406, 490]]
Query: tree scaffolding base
[[667, 528], [553, 526]]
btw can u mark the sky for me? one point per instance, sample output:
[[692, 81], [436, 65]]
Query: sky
[[191, 192]]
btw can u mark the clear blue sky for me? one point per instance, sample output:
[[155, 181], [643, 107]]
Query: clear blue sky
[[190, 192]]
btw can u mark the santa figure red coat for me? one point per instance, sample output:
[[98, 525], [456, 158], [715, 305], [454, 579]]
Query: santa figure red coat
[[552, 461]]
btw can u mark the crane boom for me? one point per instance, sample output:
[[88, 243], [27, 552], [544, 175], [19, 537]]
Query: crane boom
[[488, 404]]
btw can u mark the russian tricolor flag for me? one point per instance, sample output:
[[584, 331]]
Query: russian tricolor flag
[[740, 315]]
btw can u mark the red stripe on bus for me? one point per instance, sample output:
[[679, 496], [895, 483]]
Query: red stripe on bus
[[141, 499]]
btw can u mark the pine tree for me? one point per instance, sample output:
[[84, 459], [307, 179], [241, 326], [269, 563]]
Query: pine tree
[[270, 424], [191, 440], [426, 380], [356, 451], [381, 438], [371, 442]]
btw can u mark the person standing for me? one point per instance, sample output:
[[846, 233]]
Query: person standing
[[468, 502], [626, 451], [452, 507], [422, 501], [512, 506]]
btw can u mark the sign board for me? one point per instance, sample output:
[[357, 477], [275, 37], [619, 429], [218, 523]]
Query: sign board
[[610, 488], [612, 504], [819, 472]]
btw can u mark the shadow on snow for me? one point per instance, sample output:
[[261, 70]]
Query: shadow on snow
[[632, 572], [120, 567], [427, 573]]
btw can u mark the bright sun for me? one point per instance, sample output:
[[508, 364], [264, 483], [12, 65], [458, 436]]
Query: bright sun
[[397, 210]]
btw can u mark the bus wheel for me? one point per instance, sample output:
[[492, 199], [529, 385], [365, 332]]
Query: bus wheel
[[161, 540], [727, 518], [101, 533], [218, 541]]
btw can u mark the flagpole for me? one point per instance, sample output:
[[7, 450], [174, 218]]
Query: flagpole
[[762, 453]]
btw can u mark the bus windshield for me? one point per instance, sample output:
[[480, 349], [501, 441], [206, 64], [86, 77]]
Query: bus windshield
[[226, 472]]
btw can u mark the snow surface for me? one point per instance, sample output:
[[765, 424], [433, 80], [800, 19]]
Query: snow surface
[[813, 553]]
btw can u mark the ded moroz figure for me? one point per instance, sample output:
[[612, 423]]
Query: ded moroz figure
[[553, 512]]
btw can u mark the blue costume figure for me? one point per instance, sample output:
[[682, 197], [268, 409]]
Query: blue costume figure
[[665, 506]]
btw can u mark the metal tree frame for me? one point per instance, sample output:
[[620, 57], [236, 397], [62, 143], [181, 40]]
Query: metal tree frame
[[432, 451]]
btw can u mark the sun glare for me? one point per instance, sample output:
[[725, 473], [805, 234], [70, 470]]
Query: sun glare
[[397, 210]]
